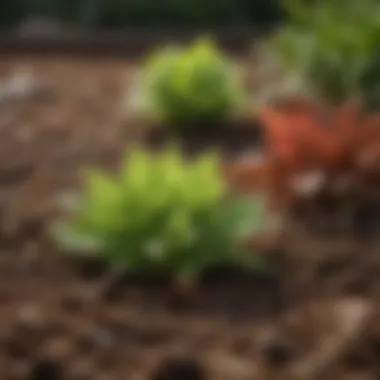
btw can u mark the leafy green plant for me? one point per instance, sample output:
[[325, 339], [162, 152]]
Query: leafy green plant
[[186, 86], [328, 46], [162, 214]]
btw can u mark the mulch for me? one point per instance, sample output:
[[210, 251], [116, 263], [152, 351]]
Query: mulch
[[315, 316]]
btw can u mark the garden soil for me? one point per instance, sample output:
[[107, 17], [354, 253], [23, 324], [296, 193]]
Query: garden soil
[[314, 315]]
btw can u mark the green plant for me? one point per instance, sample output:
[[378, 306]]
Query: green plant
[[185, 86], [328, 46], [162, 215]]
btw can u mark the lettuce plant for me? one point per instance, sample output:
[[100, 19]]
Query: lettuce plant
[[162, 214], [187, 86], [329, 47]]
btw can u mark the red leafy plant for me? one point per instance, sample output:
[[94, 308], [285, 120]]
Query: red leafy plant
[[307, 137], [304, 139]]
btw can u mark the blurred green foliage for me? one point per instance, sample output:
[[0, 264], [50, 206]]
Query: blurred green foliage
[[331, 47], [146, 13], [196, 86]]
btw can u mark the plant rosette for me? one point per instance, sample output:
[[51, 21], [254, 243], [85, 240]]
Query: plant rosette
[[189, 87], [163, 215], [304, 138]]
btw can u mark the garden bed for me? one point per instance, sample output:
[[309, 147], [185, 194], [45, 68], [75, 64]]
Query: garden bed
[[58, 317]]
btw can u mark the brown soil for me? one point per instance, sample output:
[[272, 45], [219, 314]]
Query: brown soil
[[315, 315]]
